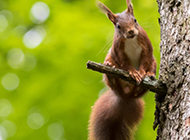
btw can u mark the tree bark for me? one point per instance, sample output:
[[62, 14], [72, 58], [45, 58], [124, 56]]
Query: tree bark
[[173, 114]]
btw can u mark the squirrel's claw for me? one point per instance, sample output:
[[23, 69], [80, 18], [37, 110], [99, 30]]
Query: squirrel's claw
[[151, 75], [136, 75], [108, 63]]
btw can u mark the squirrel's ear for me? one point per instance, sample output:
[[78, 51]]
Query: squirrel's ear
[[129, 7], [106, 11]]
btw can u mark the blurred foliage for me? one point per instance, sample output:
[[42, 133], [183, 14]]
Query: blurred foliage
[[46, 90]]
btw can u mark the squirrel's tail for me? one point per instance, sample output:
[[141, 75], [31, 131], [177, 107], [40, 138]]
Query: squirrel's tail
[[113, 118]]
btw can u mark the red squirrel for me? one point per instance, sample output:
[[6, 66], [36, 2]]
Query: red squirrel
[[116, 114]]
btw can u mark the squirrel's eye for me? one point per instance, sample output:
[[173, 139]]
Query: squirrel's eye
[[118, 26], [135, 20]]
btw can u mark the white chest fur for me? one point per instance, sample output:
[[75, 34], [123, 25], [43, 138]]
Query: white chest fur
[[133, 51]]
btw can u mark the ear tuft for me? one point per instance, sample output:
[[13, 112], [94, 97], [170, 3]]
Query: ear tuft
[[129, 7], [101, 6], [106, 11]]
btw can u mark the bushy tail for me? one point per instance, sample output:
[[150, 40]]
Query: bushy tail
[[113, 118]]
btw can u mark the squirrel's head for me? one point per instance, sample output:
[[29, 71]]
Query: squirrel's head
[[126, 25]]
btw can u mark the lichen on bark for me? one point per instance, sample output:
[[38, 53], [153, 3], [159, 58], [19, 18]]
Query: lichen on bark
[[174, 111]]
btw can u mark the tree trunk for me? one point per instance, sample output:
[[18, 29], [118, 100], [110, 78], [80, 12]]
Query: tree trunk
[[174, 111]]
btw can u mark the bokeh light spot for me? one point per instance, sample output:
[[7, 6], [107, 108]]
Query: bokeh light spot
[[55, 131], [10, 81], [20, 30], [8, 15], [29, 62], [15, 58], [3, 133], [34, 37], [5, 107], [35, 120], [10, 127], [3, 23], [39, 12]]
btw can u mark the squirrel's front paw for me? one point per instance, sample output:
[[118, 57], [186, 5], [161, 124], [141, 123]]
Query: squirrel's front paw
[[136, 75], [142, 73], [151, 75], [108, 63]]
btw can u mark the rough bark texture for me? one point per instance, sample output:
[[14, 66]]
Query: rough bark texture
[[173, 113]]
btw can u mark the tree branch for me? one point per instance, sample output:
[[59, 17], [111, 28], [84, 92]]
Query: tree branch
[[153, 85]]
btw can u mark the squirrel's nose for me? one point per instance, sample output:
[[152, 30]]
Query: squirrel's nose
[[131, 32]]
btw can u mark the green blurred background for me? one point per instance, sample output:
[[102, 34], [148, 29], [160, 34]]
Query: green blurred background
[[46, 92]]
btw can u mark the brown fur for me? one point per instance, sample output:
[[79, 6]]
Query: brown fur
[[111, 117], [117, 112]]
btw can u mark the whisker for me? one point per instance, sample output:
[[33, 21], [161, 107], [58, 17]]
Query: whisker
[[147, 18], [149, 26], [146, 23], [108, 46], [105, 47]]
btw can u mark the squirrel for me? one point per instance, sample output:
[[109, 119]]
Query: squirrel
[[116, 114]]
